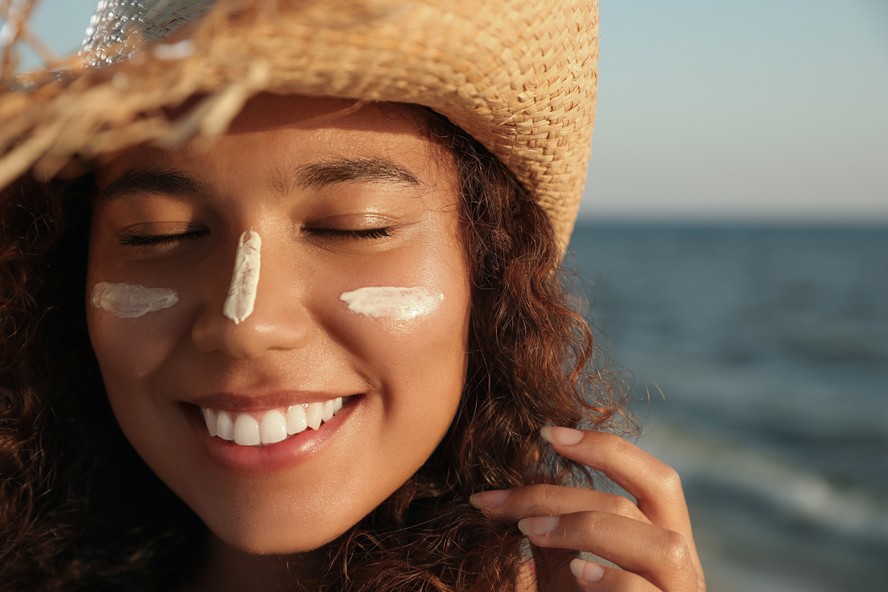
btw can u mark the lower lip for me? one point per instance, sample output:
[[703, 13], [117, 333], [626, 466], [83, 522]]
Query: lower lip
[[273, 457]]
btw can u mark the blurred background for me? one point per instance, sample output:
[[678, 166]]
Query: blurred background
[[733, 245]]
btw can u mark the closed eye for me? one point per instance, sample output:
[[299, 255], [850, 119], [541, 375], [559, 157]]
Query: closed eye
[[363, 233], [150, 240]]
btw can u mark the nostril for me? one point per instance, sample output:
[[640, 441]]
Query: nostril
[[272, 326]]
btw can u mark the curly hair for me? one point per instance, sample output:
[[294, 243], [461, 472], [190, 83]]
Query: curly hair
[[80, 511]]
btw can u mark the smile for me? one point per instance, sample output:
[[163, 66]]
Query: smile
[[270, 426]]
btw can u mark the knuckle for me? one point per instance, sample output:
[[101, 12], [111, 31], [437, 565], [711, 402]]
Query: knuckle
[[624, 507], [616, 444], [547, 497], [540, 499], [674, 551], [670, 481], [611, 449]]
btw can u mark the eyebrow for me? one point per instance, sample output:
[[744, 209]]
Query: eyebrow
[[321, 174], [139, 180], [307, 176]]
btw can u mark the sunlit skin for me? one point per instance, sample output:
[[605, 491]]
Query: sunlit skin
[[319, 239], [342, 200]]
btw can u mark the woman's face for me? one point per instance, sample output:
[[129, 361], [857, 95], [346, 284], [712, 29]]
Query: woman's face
[[238, 289]]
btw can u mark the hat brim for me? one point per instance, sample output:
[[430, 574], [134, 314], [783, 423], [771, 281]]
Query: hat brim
[[518, 76]]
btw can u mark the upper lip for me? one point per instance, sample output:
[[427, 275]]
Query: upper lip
[[256, 402]]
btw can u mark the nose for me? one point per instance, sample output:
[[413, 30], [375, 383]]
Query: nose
[[254, 308]]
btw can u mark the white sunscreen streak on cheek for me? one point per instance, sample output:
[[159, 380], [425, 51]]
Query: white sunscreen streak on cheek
[[245, 279], [130, 301], [400, 304]]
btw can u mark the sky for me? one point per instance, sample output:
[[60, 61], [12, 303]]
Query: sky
[[717, 110]]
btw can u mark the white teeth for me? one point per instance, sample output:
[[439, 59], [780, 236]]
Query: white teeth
[[246, 430], [329, 410], [272, 426], [313, 415], [211, 417], [296, 421], [224, 426]]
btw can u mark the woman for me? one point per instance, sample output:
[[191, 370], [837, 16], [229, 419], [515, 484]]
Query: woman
[[259, 338]]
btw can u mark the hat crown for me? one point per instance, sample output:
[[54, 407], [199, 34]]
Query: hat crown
[[519, 76], [118, 27]]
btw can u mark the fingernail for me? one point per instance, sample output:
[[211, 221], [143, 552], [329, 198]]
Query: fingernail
[[538, 526], [586, 571], [489, 500], [563, 436]]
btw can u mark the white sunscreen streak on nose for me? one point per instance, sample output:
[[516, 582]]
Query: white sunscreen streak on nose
[[130, 301], [400, 304], [245, 279]]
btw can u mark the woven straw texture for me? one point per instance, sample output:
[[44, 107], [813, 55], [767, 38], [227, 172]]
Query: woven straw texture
[[518, 75]]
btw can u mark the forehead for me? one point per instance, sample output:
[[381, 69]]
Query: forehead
[[267, 111], [282, 127]]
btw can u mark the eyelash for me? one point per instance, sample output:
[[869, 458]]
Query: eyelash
[[150, 240], [141, 240], [364, 233]]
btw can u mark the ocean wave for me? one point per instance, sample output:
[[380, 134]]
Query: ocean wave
[[790, 490]]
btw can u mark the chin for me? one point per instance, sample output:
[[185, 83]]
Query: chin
[[254, 536], [283, 543]]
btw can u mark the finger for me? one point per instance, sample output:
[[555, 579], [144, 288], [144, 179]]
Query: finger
[[655, 485], [660, 556], [550, 500], [591, 577]]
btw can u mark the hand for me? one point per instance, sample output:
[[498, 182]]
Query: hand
[[650, 540]]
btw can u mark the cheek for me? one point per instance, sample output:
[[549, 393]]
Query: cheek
[[131, 301], [394, 303], [133, 329], [410, 325]]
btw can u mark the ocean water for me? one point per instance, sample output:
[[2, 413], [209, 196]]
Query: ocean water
[[759, 362]]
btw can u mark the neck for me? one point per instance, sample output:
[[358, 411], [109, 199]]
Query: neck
[[227, 569]]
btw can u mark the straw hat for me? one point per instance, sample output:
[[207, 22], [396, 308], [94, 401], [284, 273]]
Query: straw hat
[[518, 75]]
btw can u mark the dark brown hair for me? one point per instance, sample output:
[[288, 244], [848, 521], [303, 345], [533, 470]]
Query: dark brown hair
[[80, 511]]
